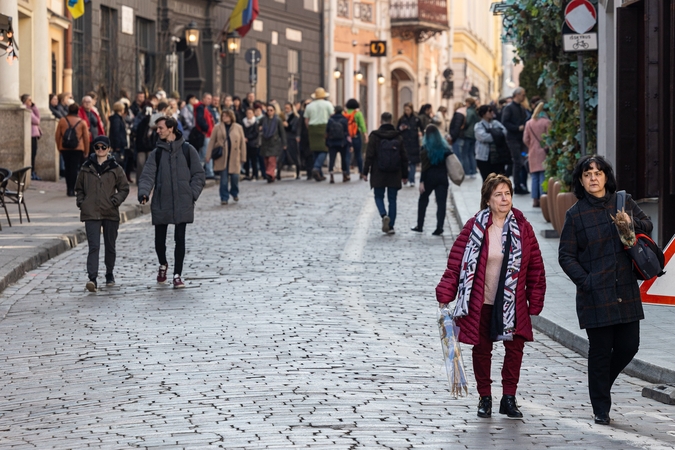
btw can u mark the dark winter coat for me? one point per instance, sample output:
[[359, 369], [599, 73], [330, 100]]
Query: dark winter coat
[[380, 179], [293, 128], [342, 120], [434, 174], [273, 145], [100, 189], [252, 135], [513, 116], [410, 127], [118, 132], [592, 255], [471, 120], [531, 281], [457, 126], [177, 186]]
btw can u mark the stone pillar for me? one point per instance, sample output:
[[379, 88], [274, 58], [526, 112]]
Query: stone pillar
[[15, 120], [47, 159]]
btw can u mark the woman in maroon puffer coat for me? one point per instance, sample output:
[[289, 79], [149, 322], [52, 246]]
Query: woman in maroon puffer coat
[[496, 273]]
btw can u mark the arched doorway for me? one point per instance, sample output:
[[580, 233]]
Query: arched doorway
[[402, 86]]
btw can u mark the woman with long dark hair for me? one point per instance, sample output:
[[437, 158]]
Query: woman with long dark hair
[[434, 177]]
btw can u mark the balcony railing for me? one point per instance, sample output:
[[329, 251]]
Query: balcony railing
[[433, 12]]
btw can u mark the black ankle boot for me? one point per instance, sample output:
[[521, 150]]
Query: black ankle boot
[[485, 407], [509, 407]]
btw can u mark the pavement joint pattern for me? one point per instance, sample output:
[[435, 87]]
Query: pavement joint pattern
[[302, 326]]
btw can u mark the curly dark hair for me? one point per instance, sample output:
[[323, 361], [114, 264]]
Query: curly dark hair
[[583, 165]]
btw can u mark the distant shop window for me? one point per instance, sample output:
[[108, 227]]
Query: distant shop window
[[363, 11], [108, 59], [145, 50], [261, 84], [311, 5], [293, 75], [340, 65], [343, 8]]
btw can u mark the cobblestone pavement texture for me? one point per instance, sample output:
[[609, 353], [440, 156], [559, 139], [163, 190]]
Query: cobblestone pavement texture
[[302, 325]]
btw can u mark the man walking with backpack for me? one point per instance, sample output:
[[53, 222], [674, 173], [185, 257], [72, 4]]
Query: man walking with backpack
[[387, 159], [174, 170], [338, 141]]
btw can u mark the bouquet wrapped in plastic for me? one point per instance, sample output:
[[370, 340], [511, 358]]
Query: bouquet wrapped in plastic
[[452, 355]]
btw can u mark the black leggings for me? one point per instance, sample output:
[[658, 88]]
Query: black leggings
[[441, 191], [160, 245]]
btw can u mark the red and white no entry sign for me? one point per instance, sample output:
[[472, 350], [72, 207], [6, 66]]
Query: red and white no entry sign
[[580, 16], [661, 290]]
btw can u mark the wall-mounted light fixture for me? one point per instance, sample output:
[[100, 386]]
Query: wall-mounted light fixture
[[233, 44], [380, 78], [359, 75], [337, 74], [192, 34]]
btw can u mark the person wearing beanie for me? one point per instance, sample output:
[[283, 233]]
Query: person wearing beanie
[[100, 189]]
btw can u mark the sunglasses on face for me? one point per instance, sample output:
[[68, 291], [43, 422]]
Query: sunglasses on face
[[100, 147]]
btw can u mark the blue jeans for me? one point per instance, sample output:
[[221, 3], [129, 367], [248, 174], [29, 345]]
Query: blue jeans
[[379, 202], [358, 152], [233, 179], [208, 168], [469, 156], [319, 159], [537, 180], [411, 172], [457, 147]]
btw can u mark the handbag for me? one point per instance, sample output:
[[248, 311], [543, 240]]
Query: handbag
[[217, 152], [455, 169], [648, 258]]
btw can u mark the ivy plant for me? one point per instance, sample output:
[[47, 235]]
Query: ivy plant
[[535, 27]]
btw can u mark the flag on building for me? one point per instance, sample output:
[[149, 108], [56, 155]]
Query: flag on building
[[76, 7], [243, 15]]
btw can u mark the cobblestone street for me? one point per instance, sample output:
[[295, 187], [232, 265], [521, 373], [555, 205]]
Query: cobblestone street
[[302, 325]]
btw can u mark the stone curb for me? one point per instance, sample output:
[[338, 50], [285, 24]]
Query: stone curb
[[65, 242], [637, 368]]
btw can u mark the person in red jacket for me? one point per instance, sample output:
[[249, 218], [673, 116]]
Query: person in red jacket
[[496, 272]]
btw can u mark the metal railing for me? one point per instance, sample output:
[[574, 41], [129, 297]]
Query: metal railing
[[434, 11]]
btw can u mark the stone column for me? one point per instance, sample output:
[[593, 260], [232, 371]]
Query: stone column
[[47, 159], [15, 130]]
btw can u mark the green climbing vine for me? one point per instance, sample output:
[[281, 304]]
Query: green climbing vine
[[534, 27]]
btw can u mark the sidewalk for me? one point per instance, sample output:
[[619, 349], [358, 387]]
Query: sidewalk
[[655, 362], [54, 228]]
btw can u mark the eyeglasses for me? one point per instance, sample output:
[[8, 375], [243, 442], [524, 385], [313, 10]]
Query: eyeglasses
[[100, 147]]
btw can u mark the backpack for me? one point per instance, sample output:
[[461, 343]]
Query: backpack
[[335, 130], [648, 258], [499, 150], [352, 126], [389, 155], [69, 140], [158, 157], [196, 138]]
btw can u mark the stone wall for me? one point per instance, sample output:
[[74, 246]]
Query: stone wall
[[47, 159], [14, 137]]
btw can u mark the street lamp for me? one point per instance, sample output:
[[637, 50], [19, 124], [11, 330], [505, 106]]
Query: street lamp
[[337, 74], [233, 44], [192, 34], [358, 75], [380, 78]]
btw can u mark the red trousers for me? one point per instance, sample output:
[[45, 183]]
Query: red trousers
[[271, 166], [482, 358]]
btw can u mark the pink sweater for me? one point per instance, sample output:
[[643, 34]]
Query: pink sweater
[[534, 130]]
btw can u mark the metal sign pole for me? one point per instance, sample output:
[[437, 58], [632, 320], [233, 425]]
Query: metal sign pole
[[582, 108]]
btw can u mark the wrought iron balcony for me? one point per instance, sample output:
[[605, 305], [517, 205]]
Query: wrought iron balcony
[[418, 19]]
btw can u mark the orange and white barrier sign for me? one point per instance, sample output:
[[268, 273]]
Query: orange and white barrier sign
[[661, 290]]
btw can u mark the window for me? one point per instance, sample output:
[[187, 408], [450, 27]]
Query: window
[[340, 64], [311, 5], [108, 58], [363, 11], [80, 61], [261, 84], [145, 50], [294, 75]]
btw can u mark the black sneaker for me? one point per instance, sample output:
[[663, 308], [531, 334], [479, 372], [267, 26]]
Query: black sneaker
[[91, 285], [109, 279]]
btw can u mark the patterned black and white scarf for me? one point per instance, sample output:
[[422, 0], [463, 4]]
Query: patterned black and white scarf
[[470, 264]]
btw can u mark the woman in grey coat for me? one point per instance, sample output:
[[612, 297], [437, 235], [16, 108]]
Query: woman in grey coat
[[272, 141], [174, 171]]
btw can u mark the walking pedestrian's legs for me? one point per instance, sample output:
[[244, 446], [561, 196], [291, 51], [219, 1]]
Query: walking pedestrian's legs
[[345, 153], [71, 159], [481, 354], [160, 243], [208, 168], [93, 230], [332, 151], [319, 159], [358, 152], [391, 196], [179, 252], [441, 202], [537, 180], [411, 172], [234, 184], [513, 359], [223, 189], [270, 166], [422, 204], [515, 146], [469, 155], [110, 228], [379, 201]]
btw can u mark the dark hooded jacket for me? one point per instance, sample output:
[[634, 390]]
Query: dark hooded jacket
[[410, 127], [100, 189], [176, 184], [379, 179]]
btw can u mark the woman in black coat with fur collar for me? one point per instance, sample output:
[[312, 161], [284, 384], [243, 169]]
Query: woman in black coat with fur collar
[[608, 299]]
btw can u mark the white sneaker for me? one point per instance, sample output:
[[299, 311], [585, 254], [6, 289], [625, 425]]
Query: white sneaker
[[391, 231], [385, 224]]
